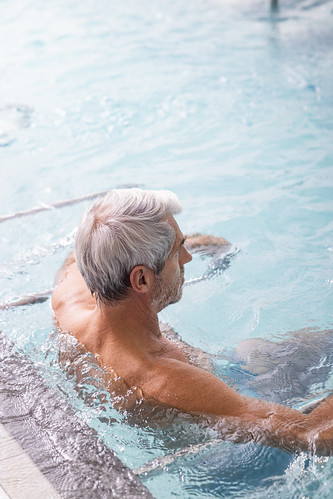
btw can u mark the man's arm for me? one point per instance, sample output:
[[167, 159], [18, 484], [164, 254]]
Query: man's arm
[[239, 418], [206, 244]]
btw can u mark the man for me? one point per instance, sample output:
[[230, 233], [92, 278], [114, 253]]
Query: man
[[128, 266]]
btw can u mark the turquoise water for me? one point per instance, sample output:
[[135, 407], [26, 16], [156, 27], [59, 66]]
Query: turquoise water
[[229, 106]]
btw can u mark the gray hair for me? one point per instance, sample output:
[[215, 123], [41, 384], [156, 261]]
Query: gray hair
[[125, 228]]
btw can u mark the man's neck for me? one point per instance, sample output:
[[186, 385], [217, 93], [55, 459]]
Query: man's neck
[[131, 319]]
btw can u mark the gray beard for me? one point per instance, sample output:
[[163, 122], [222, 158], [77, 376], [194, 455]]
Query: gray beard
[[164, 296]]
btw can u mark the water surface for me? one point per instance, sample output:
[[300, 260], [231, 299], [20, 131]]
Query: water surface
[[229, 106]]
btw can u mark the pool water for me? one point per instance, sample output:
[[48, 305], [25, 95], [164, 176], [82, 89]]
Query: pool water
[[230, 106]]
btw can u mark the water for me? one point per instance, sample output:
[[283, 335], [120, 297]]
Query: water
[[229, 106]]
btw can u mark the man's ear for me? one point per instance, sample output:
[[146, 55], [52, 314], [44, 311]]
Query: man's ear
[[141, 279]]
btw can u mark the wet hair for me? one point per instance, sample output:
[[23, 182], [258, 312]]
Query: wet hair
[[121, 230]]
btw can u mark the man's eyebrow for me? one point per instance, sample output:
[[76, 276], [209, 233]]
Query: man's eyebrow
[[182, 241]]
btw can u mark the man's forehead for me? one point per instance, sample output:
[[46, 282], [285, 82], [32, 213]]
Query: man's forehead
[[178, 233]]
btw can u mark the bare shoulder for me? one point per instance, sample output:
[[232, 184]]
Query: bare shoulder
[[71, 293], [189, 388]]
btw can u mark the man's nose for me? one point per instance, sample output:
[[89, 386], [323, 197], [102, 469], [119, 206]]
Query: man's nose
[[187, 256]]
